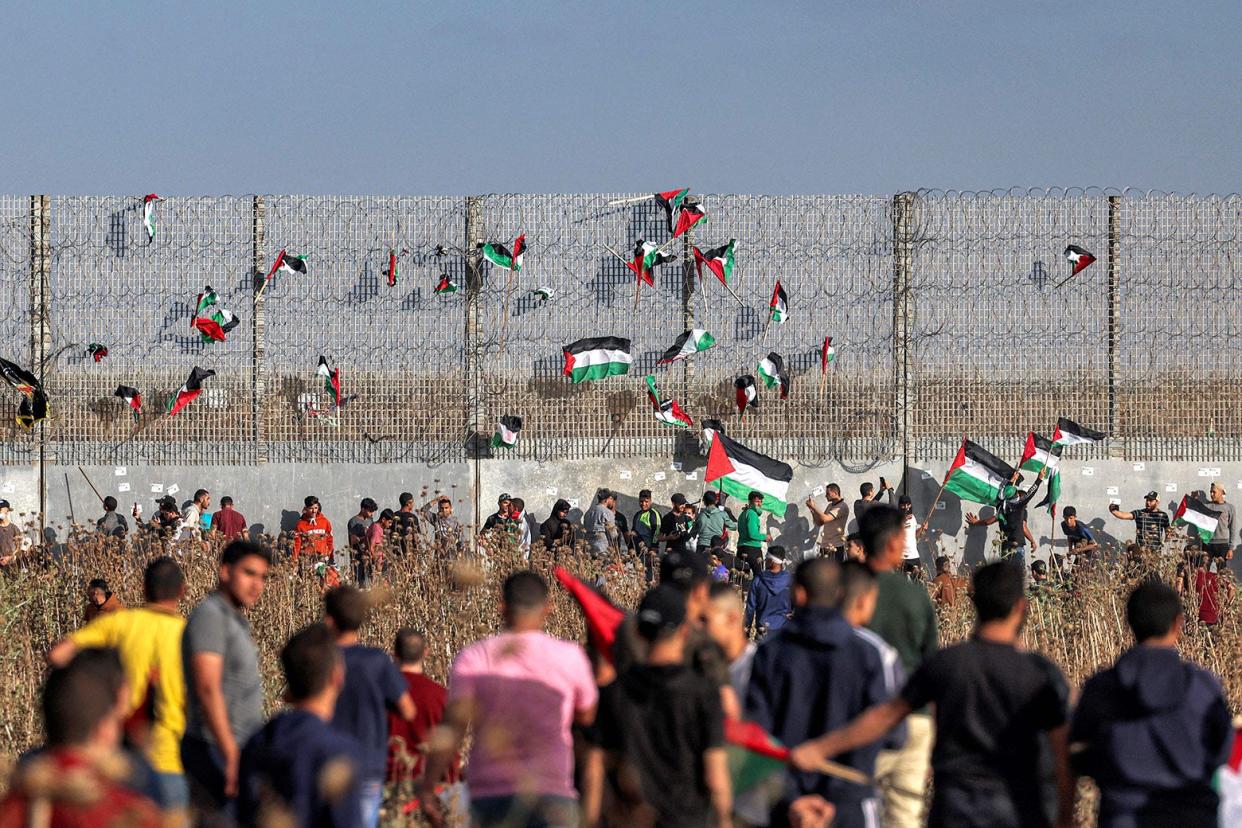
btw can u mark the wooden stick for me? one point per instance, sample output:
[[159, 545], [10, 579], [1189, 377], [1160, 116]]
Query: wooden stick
[[632, 200], [638, 286], [73, 518], [932, 510], [731, 293], [92, 485], [830, 768]]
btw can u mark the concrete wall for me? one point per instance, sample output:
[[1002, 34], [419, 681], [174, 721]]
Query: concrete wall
[[271, 495]]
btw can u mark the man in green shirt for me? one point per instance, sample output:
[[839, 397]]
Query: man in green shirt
[[710, 525], [750, 535], [905, 619]]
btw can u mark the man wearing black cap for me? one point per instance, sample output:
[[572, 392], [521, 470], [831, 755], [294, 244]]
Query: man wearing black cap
[[1150, 523], [675, 527], [662, 728]]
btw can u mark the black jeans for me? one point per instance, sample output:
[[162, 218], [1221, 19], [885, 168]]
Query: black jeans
[[204, 771]]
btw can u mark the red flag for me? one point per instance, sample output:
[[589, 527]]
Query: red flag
[[602, 617], [752, 737], [718, 462]]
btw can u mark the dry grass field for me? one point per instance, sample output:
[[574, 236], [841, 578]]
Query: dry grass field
[[1080, 626]]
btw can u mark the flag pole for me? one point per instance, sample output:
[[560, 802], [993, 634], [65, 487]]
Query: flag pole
[[92, 485], [617, 202], [734, 295], [638, 286], [932, 509]]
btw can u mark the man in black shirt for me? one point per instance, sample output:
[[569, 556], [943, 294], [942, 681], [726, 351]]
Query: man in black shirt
[[870, 497], [662, 728], [994, 703], [1150, 523], [1011, 512], [405, 522], [675, 527], [501, 515]]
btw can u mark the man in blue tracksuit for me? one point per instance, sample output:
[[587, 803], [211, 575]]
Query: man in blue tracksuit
[[1152, 729], [814, 675], [769, 603]]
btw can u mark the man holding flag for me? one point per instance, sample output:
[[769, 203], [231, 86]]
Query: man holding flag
[[1011, 513]]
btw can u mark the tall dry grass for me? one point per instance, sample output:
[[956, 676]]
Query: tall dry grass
[[1080, 624]]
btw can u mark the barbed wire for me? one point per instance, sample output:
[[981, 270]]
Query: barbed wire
[[996, 347]]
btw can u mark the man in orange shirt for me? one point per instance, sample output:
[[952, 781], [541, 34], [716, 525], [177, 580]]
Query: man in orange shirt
[[314, 530]]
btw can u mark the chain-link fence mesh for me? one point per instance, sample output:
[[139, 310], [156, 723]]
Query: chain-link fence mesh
[[399, 347], [16, 445], [998, 342], [112, 285]]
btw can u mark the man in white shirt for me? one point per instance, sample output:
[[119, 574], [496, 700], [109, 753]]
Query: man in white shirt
[[910, 535], [192, 518]]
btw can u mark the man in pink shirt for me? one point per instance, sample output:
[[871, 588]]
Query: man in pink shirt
[[521, 691]]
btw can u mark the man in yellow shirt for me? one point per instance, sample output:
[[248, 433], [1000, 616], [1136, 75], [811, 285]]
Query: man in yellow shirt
[[149, 641]]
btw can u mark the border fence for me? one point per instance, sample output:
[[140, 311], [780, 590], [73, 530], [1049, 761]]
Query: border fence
[[950, 313]]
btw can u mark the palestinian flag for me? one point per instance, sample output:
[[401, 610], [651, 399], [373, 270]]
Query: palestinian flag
[[779, 303], [977, 475], [666, 411], [646, 256], [1193, 513], [97, 351], [148, 215], [211, 319], [745, 393], [1228, 784], [742, 471], [719, 260], [671, 202], [287, 263], [603, 618], [132, 398], [688, 344], [690, 215], [187, 393], [501, 256], [507, 429], [23, 381], [827, 354], [1079, 258], [754, 755], [597, 357], [331, 380], [1053, 494], [772, 369], [391, 271], [1040, 453], [445, 285], [543, 294], [1070, 433]]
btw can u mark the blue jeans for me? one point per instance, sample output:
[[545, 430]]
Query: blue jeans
[[204, 773], [174, 790], [371, 796], [539, 811], [1018, 554]]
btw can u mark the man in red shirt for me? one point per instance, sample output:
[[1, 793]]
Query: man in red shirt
[[82, 704], [407, 738], [314, 530], [228, 521]]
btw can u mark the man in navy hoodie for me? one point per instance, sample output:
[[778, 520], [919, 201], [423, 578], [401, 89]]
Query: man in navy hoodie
[[812, 676], [1152, 729], [768, 603]]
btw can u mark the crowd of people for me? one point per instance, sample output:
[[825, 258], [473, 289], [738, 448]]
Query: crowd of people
[[835, 655]]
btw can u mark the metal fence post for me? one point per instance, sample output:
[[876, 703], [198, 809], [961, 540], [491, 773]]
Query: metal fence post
[[474, 287], [903, 266], [1114, 311], [40, 329], [258, 384]]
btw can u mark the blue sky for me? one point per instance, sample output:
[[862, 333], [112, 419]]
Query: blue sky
[[386, 97]]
